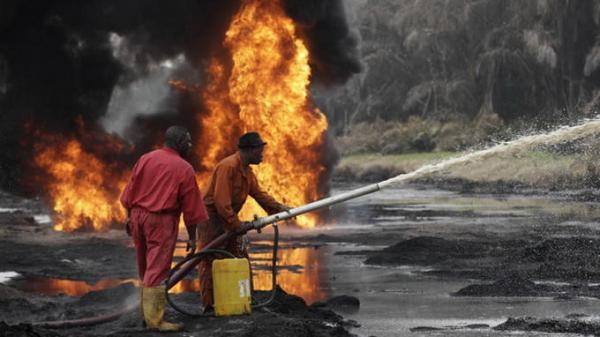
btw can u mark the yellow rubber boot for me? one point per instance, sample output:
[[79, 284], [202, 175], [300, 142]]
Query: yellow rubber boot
[[153, 309]]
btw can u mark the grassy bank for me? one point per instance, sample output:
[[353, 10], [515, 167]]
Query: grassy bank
[[564, 158], [375, 166], [538, 168], [535, 169]]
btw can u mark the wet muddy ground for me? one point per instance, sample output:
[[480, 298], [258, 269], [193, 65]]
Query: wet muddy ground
[[415, 261], [435, 262], [49, 276]]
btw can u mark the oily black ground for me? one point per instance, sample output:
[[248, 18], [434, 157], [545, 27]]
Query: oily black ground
[[499, 266]]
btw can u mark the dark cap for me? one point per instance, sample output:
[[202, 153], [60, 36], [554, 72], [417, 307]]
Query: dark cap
[[250, 139]]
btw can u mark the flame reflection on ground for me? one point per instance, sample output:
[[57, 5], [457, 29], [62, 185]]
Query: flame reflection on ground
[[55, 287], [299, 274]]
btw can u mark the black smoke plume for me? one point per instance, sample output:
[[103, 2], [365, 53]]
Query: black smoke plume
[[333, 47]]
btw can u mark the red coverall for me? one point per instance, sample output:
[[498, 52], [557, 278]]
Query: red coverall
[[161, 186], [228, 188]]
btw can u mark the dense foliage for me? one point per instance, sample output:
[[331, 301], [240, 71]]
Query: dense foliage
[[532, 61]]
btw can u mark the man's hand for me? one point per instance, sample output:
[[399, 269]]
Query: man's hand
[[244, 227], [190, 248], [284, 208], [128, 226], [191, 243]]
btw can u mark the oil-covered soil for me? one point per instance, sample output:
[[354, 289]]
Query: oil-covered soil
[[286, 315], [29, 247], [562, 269], [573, 190], [579, 324], [543, 247], [576, 324], [526, 251], [560, 259]]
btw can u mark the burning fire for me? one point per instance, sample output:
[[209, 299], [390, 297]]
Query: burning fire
[[82, 188], [266, 90]]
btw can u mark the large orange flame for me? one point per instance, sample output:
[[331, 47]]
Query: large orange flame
[[266, 90]]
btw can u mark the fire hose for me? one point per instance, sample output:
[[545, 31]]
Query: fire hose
[[189, 263]]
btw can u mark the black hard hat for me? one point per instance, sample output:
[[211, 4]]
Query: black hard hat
[[250, 139]]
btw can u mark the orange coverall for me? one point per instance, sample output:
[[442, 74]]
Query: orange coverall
[[228, 188]]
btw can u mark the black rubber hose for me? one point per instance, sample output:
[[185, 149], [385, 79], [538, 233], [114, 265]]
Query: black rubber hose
[[273, 269]]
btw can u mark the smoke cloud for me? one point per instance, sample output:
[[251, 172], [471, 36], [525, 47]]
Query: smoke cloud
[[333, 47]]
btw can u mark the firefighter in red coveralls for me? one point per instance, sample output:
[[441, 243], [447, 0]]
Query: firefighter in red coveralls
[[229, 186], [161, 187]]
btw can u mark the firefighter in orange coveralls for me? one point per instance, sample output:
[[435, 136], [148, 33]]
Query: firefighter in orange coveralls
[[161, 187], [229, 186]]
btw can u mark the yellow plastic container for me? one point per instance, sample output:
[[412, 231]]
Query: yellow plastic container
[[231, 287]]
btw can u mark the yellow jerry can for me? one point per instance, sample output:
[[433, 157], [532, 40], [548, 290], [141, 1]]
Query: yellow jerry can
[[231, 287]]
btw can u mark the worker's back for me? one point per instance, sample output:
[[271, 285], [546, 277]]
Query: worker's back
[[156, 181]]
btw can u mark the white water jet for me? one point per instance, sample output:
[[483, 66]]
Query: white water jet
[[587, 128]]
